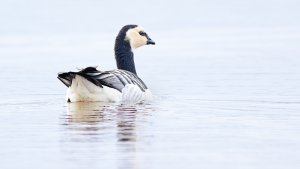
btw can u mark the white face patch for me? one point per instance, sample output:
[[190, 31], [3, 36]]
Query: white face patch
[[136, 40]]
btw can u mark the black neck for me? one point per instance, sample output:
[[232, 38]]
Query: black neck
[[124, 54]]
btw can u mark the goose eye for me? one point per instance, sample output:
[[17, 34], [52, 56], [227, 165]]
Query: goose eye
[[142, 33]]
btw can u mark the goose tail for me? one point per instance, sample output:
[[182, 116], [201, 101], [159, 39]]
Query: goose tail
[[66, 78]]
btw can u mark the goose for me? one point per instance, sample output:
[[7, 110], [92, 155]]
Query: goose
[[122, 84]]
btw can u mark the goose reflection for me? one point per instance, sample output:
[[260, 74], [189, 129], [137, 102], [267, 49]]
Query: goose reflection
[[98, 118], [126, 117], [98, 130], [85, 113]]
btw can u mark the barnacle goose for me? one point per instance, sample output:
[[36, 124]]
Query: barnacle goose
[[122, 84]]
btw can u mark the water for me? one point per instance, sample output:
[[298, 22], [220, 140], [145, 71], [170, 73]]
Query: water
[[228, 88]]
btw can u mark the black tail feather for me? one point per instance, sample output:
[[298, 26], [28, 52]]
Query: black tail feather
[[66, 78]]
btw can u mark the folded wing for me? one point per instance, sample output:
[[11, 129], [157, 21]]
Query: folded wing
[[116, 79]]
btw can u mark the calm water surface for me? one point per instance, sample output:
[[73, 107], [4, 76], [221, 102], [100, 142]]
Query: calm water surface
[[228, 95]]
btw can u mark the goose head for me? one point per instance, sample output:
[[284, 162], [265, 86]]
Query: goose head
[[136, 36], [130, 37]]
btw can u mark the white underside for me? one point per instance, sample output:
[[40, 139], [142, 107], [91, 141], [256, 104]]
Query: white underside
[[83, 90]]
